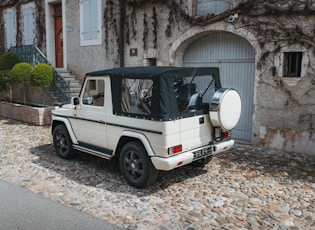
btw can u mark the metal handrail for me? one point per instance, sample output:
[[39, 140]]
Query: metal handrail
[[32, 55]]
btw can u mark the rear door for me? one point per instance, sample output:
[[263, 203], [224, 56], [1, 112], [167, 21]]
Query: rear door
[[195, 131]]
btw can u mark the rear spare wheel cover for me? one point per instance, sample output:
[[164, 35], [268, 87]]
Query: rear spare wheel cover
[[225, 108]]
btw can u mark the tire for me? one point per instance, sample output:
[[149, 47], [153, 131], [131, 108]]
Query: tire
[[201, 162], [136, 166], [62, 142]]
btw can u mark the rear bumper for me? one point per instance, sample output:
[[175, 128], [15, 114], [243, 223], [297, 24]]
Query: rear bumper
[[185, 158]]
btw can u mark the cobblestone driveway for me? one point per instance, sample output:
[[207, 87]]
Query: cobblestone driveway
[[245, 188]]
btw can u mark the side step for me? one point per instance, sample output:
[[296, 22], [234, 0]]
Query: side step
[[108, 155]]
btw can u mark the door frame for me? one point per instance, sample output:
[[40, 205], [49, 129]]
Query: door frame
[[57, 19], [50, 32]]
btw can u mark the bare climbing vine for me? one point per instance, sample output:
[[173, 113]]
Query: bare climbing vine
[[275, 23], [111, 27], [39, 22], [2, 38]]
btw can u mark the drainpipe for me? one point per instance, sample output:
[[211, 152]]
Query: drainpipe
[[122, 9]]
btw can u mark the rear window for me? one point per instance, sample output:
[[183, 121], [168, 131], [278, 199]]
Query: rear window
[[193, 94]]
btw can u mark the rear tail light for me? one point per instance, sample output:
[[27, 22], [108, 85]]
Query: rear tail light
[[175, 149], [219, 134], [226, 134]]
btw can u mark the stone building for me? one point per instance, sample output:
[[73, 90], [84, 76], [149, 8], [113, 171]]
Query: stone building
[[21, 23], [265, 49]]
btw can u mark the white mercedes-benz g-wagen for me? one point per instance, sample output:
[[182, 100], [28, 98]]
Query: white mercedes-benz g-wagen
[[151, 118]]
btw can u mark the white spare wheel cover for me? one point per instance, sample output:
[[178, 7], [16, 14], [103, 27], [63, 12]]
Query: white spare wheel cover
[[225, 108]]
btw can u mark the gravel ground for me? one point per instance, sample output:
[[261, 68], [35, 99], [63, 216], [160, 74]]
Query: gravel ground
[[244, 188]]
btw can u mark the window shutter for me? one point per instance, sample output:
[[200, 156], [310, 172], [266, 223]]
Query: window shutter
[[86, 5], [28, 20], [10, 29], [90, 22], [94, 20]]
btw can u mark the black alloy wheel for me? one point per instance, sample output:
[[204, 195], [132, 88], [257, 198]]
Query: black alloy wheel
[[136, 165], [62, 142]]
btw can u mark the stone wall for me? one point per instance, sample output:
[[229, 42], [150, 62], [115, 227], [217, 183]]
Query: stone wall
[[32, 115], [39, 14], [160, 32], [284, 108]]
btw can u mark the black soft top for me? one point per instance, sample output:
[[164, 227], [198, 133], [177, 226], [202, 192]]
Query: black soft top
[[151, 72], [139, 72], [164, 104]]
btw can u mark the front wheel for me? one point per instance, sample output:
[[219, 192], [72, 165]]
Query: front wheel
[[136, 166], [62, 142]]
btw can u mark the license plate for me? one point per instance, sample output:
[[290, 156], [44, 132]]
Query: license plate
[[202, 153]]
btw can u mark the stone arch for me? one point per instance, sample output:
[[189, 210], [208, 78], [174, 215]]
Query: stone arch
[[179, 46]]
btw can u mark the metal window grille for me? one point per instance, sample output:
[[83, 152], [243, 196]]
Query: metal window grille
[[292, 64]]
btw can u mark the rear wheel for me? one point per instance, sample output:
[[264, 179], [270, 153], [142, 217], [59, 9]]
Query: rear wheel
[[136, 165], [63, 142]]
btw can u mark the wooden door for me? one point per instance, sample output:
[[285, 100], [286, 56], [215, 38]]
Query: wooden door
[[58, 40]]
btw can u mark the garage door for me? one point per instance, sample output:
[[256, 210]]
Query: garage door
[[236, 59]]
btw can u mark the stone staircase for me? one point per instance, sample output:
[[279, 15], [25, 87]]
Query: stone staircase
[[75, 87]]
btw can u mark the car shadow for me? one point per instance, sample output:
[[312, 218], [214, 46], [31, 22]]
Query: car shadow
[[256, 161], [100, 173]]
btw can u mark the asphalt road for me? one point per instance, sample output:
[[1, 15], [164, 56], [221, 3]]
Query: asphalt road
[[22, 209]]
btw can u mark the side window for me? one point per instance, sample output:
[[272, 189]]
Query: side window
[[94, 93], [136, 97]]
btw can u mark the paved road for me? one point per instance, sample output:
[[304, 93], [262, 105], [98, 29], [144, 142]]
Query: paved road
[[22, 209]]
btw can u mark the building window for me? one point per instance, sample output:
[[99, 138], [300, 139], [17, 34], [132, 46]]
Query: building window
[[28, 23], [292, 65], [10, 27], [90, 22], [205, 7], [151, 61]]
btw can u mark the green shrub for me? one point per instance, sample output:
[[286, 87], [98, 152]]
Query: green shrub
[[8, 60], [4, 79], [5, 75], [42, 75], [21, 72]]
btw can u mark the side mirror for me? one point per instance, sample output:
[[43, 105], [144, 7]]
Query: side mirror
[[75, 101]]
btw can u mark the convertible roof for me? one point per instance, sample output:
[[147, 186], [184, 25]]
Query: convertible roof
[[163, 105], [155, 71]]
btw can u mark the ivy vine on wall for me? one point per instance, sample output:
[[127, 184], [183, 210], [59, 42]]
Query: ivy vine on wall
[[2, 37]]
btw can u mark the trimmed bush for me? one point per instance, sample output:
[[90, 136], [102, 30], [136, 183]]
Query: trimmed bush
[[21, 72], [42, 75], [8, 60]]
